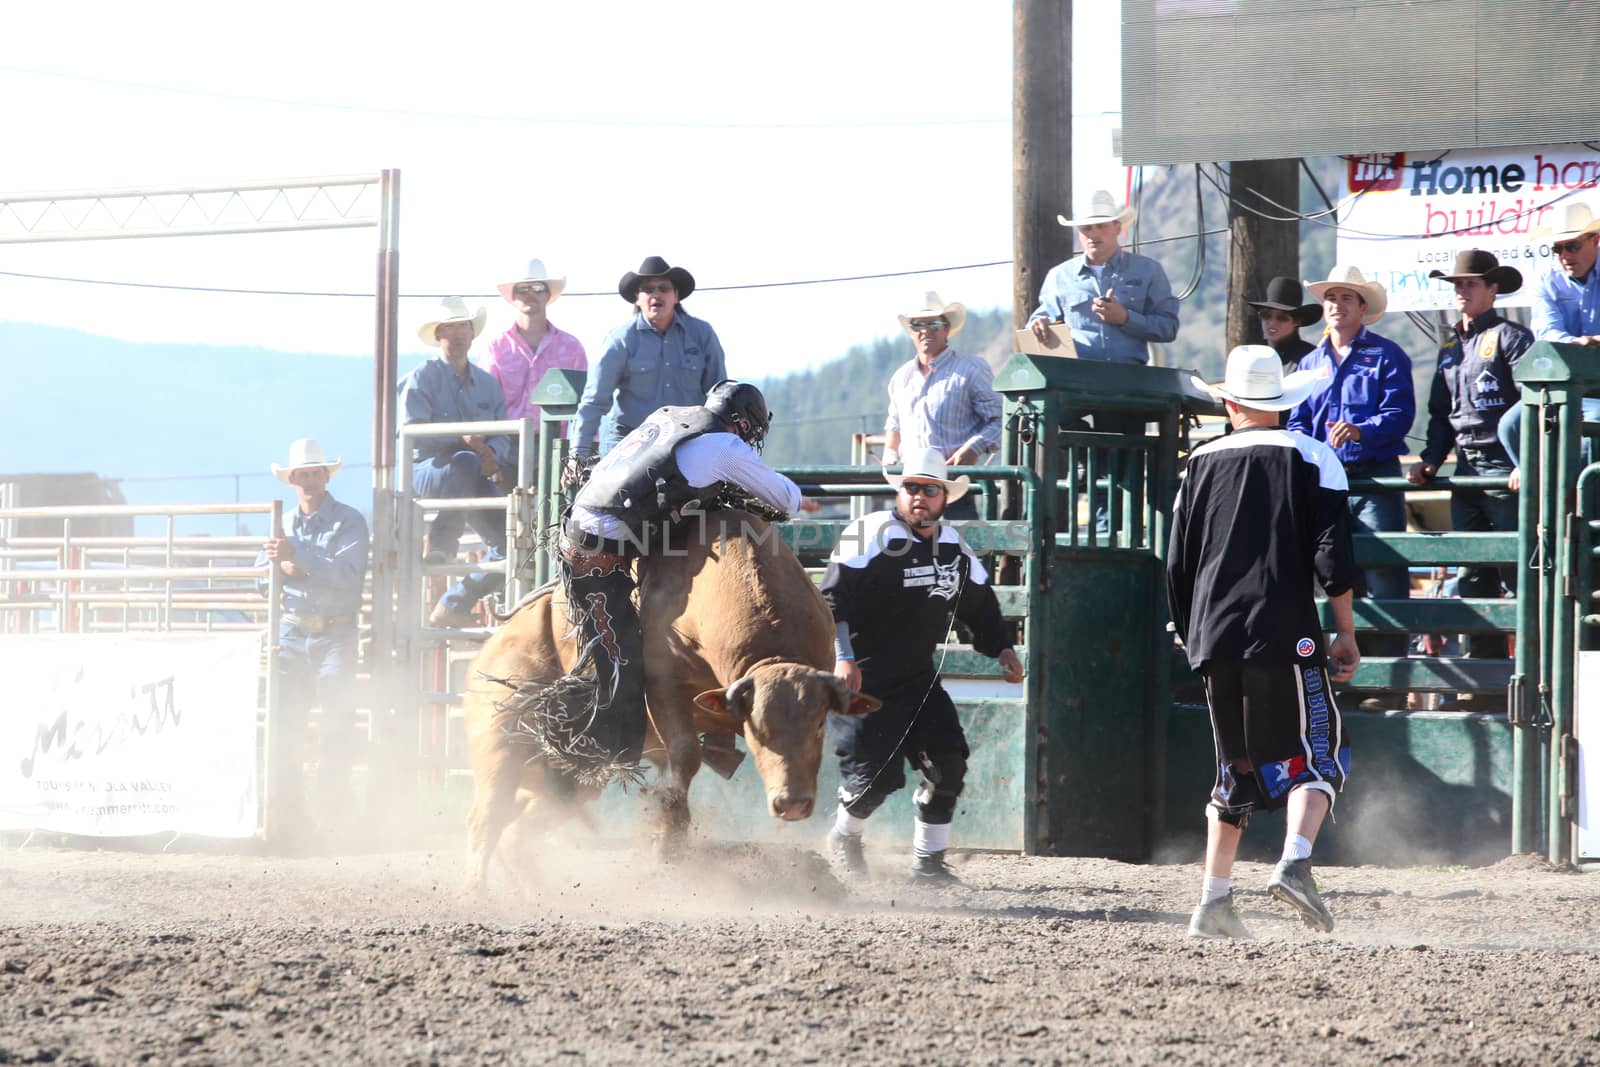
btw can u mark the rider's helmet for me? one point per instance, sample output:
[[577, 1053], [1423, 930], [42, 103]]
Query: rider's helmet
[[741, 404]]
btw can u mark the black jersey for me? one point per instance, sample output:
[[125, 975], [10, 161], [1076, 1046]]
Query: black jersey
[[897, 591], [1261, 517]]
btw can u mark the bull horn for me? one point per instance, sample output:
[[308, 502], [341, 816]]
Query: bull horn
[[738, 694]]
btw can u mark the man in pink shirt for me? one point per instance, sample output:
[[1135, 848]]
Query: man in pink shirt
[[533, 346]]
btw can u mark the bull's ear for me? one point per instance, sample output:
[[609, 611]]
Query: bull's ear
[[846, 702], [733, 702], [862, 704], [713, 705]]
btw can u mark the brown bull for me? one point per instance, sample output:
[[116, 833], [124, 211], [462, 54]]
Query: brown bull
[[736, 639]]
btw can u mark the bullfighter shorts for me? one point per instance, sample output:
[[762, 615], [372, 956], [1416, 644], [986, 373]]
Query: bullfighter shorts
[[1281, 720], [918, 725]]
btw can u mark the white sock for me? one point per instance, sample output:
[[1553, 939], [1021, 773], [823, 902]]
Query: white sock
[[846, 823], [930, 838], [1296, 848], [1214, 888]]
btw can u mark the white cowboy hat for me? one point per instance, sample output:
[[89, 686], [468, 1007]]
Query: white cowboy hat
[[454, 309], [1343, 276], [1102, 208], [535, 273], [302, 454], [1255, 379], [928, 465], [934, 308], [1577, 219]]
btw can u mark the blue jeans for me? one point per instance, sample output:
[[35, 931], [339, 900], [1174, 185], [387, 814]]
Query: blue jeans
[[315, 670], [1510, 429], [454, 477], [1479, 510], [1380, 513]]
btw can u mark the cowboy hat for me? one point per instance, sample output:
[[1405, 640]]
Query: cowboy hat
[[454, 309], [535, 273], [934, 308], [1476, 263], [929, 466], [1577, 219], [656, 267], [1102, 208], [1285, 294], [1255, 379], [305, 453], [1346, 277]]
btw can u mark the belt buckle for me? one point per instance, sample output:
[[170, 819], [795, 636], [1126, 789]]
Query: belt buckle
[[311, 624]]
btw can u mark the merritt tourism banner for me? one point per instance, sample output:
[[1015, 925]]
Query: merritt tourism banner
[[116, 735], [1405, 214]]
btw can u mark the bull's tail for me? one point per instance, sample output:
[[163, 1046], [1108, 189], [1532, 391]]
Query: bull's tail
[[554, 719]]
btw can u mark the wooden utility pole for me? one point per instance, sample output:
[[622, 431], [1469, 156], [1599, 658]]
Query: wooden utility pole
[[1260, 249], [1041, 147]]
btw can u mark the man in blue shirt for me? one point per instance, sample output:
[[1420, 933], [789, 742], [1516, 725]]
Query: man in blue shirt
[[662, 356], [1566, 309], [448, 388], [942, 399], [1115, 302], [323, 557], [1363, 416]]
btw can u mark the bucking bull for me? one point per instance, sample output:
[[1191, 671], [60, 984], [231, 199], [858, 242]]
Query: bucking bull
[[737, 639]]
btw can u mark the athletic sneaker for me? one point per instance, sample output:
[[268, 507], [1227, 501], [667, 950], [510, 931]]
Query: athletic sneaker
[[1218, 919], [1292, 883], [932, 869], [847, 852]]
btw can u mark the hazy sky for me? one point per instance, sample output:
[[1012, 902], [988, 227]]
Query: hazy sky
[[748, 142]]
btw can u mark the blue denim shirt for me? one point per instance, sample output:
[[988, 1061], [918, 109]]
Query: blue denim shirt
[[1140, 285], [1371, 390], [642, 369], [436, 393], [331, 545], [1565, 310]]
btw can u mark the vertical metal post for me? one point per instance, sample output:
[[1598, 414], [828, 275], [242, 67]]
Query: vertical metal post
[[522, 526], [67, 624], [1563, 813], [386, 654], [274, 687], [1525, 792], [1041, 146]]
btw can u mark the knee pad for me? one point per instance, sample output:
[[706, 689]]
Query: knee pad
[[944, 775], [1238, 821]]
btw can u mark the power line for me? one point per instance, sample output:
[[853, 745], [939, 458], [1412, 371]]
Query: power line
[[532, 120]]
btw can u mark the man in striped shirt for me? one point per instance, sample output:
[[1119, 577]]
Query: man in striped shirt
[[1261, 519], [942, 399]]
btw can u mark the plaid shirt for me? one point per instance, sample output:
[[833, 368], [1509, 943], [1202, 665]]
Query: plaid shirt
[[952, 406]]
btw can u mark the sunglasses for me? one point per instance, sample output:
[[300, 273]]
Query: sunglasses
[[1567, 248], [664, 287], [931, 490], [928, 324], [530, 289]]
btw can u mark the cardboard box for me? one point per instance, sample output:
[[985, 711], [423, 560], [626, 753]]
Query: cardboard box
[[1059, 344]]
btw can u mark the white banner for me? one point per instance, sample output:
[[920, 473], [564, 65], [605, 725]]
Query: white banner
[[1403, 215], [118, 735]]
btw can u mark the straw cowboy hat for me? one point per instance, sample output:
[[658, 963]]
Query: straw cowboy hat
[[1476, 263], [656, 267], [1285, 294], [1577, 219], [453, 309], [934, 308], [1346, 277], [1102, 208], [535, 273], [929, 466], [1255, 379], [302, 454]]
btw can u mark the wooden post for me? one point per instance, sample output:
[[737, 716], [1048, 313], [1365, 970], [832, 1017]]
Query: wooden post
[[1041, 146], [1260, 249]]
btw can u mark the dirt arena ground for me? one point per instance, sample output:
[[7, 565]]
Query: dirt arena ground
[[758, 955]]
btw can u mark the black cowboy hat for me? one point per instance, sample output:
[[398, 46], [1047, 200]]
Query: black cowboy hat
[[1476, 263], [655, 267], [1285, 294]]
